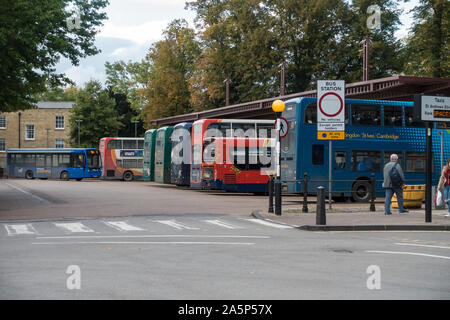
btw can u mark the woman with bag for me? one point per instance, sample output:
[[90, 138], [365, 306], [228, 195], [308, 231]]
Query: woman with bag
[[444, 181]]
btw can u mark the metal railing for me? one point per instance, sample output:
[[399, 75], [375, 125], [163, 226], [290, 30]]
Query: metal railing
[[305, 181]]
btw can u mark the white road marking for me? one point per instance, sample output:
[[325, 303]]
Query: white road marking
[[421, 245], [73, 227], [150, 242], [157, 236], [411, 253], [176, 225], [222, 224], [122, 226], [15, 229], [29, 193], [270, 224]]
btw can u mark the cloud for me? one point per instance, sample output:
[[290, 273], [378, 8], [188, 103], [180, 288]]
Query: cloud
[[146, 32], [83, 74]]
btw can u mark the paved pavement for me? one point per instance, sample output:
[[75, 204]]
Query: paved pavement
[[356, 217]]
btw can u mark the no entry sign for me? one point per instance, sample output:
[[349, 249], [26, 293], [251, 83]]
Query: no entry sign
[[330, 109]]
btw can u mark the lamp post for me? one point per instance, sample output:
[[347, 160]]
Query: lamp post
[[278, 107], [282, 78], [227, 91], [78, 123], [135, 127]]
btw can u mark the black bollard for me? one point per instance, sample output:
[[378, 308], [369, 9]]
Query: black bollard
[[320, 209], [372, 192], [305, 193], [270, 186]]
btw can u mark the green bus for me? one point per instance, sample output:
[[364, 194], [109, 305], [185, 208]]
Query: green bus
[[148, 172], [163, 153]]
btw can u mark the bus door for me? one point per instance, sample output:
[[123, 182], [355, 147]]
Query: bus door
[[78, 165], [289, 161]]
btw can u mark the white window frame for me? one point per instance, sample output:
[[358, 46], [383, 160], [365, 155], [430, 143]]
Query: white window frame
[[27, 126], [2, 116], [4, 145], [56, 123], [56, 143]]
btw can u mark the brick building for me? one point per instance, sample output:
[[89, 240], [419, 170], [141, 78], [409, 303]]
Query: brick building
[[47, 126]]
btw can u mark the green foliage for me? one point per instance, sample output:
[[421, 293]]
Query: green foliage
[[57, 94], [33, 37], [428, 46], [129, 79], [173, 60], [96, 109]]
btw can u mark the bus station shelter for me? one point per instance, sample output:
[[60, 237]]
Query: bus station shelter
[[392, 88]]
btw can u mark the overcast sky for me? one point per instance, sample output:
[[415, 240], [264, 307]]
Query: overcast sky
[[133, 25]]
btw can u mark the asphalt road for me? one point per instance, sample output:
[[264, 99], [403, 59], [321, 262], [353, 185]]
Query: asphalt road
[[113, 240]]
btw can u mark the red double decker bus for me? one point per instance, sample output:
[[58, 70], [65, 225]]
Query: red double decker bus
[[122, 158], [238, 164], [225, 128]]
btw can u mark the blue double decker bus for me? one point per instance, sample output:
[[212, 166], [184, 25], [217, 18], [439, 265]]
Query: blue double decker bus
[[374, 130], [180, 172], [61, 164]]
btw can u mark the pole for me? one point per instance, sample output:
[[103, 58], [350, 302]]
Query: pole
[[330, 172], [135, 128], [366, 59], [428, 174], [227, 91], [320, 210], [278, 169], [270, 194], [305, 193], [283, 78]]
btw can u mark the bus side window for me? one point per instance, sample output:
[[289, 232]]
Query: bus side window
[[410, 121], [340, 157], [393, 116], [318, 154], [366, 115], [311, 113]]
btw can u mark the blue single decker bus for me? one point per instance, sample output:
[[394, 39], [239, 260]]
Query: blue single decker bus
[[374, 129], [61, 164]]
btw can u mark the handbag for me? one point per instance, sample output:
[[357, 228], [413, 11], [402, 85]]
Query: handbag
[[438, 201]]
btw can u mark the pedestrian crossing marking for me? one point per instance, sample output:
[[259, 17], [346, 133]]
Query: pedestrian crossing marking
[[223, 224], [122, 226], [176, 225], [270, 224], [73, 227], [15, 229]]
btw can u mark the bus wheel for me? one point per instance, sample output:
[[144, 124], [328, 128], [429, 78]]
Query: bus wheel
[[128, 176], [361, 191], [29, 174], [64, 176]]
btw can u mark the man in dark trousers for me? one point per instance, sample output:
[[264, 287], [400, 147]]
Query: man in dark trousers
[[393, 182]]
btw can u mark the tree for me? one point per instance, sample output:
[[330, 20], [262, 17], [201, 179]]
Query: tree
[[127, 116], [173, 60], [427, 45], [129, 79], [33, 37], [57, 94], [95, 108], [126, 82]]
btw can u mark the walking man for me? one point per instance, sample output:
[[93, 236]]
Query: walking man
[[393, 182]]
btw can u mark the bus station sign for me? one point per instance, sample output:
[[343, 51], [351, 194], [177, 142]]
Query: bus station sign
[[432, 108], [331, 109]]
